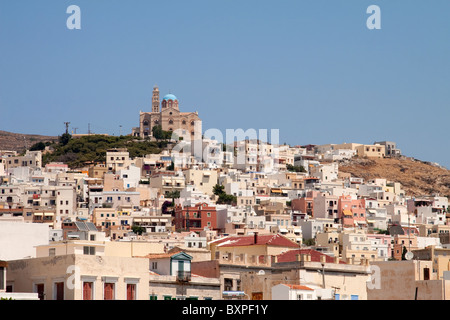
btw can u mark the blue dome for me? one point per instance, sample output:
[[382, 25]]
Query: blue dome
[[170, 97]]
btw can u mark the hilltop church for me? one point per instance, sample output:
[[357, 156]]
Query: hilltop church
[[168, 115]]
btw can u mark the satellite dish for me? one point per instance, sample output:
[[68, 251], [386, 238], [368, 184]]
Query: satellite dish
[[409, 255], [261, 272]]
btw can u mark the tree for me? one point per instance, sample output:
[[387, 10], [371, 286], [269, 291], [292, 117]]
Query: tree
[[404, 253], [218, 189], [158, 132], [64, 138], [39, 146], [138, 230], [292, 168], [165, 207], [226, 199], [174, 195]]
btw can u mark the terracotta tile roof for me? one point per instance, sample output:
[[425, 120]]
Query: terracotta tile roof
[[291, 255], [298, 287], [277, 240]]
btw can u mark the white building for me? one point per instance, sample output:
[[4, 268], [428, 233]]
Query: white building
[[130, 176], [18, 240], [300, 292]]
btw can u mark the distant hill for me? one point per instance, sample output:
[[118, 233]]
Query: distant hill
[[417, 177], [19, 142]]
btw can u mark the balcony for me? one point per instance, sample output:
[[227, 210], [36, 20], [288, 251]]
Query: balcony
[[183, 276]]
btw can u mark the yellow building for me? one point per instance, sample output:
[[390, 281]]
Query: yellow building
[[371, 150]]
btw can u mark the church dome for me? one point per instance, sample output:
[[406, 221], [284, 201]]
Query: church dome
[[170, 97]]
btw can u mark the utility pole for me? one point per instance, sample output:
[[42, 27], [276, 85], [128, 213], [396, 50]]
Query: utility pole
[[67, 127], [75, 130], [89, 128]]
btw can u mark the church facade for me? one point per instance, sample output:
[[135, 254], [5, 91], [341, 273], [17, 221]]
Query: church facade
[[167, 114]]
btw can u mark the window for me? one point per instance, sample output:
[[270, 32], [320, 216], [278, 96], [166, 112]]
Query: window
[[51, 253], [131, 291], [89, 250], [426, 274], [2, 278], [228, 284], [87, 290], [59, 291], [109, 291], [40, 291]]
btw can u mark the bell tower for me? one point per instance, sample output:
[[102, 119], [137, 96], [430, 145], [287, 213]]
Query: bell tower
[[155, 100]]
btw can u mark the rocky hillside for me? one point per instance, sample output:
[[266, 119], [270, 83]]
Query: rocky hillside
[[417, 178], [19, 142]]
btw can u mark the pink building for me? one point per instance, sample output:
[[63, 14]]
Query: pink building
[[381, 243], [352, 212]]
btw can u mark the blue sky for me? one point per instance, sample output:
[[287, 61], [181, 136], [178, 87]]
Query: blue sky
[[311, 69]]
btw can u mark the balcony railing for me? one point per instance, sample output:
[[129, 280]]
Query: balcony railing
[[183, 276]]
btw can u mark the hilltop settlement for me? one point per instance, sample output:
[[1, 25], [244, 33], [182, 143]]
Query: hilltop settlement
[[204, 219]]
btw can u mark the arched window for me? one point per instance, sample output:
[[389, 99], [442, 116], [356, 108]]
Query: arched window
[[145, 123], [170, 121], [183, 122], [192, 122]]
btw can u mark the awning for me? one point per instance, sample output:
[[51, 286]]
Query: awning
[[38, 213], [347, 213], [49, 214], [276, 191]]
